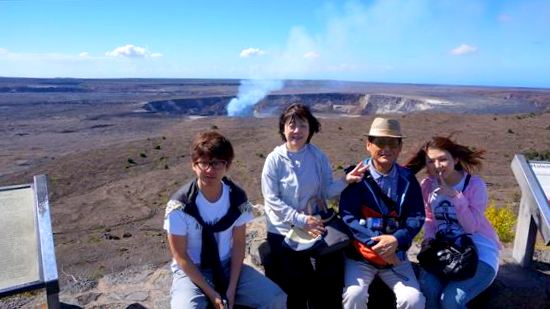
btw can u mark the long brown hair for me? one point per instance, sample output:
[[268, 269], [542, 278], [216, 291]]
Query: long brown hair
[[469, 160]]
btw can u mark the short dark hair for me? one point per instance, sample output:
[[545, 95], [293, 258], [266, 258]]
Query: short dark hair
[[212, 145], [300, 111]]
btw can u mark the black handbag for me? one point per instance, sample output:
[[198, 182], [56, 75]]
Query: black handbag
[[452, 259], [337, 235]]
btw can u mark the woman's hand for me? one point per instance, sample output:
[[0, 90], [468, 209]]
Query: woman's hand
[[357, 173], [444, 188], [314, 226]]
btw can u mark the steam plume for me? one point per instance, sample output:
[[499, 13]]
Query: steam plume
[[250, 93]]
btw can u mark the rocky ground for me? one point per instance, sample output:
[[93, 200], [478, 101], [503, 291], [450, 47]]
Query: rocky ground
[[111, 172], [148, 286]]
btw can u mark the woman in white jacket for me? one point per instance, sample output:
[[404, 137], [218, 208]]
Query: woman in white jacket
[[294, 174]]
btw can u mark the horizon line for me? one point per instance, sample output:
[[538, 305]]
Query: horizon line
[[289, 79]]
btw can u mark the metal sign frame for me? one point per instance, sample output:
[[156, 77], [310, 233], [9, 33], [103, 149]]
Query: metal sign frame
[[533, 215], [46, 251]]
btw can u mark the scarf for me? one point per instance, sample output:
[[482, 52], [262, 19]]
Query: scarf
[[210, 257]]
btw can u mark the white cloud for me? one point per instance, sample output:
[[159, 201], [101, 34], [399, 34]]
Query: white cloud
[[131, 51], [249, 52], [311, 55], [84, 54], [3, 51], [156, 55], [463, 49]]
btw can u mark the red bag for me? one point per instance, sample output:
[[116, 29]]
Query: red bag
[[369, 255], [365, 251]]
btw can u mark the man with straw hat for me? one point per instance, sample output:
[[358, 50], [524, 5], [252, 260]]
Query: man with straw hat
[[384, 212]]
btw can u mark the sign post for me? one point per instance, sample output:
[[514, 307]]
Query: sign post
[[534, 209], [27, 256]]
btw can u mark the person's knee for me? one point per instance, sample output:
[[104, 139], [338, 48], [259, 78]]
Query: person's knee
[[278, 301], [185, 294], [183, 301], [410, 298], [355, 294]]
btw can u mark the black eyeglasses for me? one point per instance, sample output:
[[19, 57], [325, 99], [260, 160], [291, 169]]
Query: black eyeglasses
[[215, 164], [382, 142]]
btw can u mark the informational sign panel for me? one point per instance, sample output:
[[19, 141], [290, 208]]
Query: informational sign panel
[[27, 252], [19, 262], [533, 178], [542, 173]]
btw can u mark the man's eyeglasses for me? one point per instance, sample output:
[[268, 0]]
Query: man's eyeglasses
[[382, 142], [215, 164]]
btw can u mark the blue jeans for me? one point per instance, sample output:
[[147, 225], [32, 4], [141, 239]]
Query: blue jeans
[[253, 290], [445, 294]]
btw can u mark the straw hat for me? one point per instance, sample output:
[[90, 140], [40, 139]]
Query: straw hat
[[383, 127]]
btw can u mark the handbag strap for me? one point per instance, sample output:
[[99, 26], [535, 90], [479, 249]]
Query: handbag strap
[[391, 204], [466, 181]]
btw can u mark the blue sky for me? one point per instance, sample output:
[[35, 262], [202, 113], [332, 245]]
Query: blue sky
[[469, 42]]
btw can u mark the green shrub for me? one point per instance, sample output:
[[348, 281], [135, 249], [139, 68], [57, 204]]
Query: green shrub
[[419, 237], [503, 220], [543, 155], [333, 204]]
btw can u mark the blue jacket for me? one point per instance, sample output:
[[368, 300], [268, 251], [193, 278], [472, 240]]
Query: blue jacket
[[359, 200]]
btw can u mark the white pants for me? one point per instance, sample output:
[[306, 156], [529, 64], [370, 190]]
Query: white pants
[[400, 279]]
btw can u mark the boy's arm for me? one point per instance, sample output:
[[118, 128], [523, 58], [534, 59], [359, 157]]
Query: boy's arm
[[178, 248], [237, 257]]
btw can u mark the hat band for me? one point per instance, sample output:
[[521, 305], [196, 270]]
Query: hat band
[[385, 132]]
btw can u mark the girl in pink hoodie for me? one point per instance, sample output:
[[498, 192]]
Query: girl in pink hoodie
[[453, 209]]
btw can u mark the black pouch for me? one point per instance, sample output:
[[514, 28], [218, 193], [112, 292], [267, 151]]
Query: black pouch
[[452, 259], [337, 236]]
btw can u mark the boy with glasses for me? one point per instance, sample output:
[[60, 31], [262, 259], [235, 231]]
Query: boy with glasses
[[206, 225], [384, 212]]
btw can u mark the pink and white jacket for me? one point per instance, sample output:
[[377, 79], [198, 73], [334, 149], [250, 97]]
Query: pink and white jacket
[[470, 208]]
